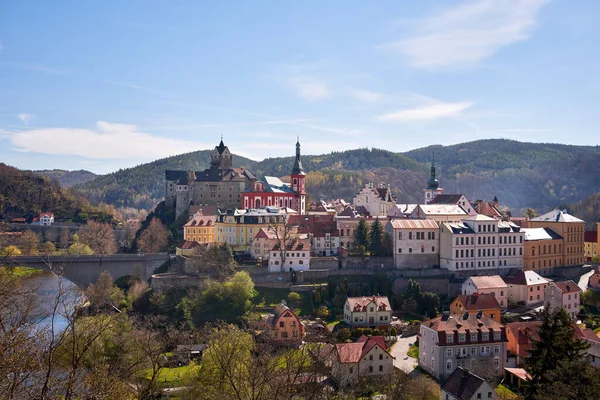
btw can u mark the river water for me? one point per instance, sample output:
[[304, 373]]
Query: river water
[[48, 286]]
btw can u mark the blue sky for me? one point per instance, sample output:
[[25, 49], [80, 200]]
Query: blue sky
[[112, 84]]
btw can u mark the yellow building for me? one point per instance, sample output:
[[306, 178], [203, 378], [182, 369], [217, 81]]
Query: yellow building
[[569, 228], [200, 229], [238, 228], [590, 243]]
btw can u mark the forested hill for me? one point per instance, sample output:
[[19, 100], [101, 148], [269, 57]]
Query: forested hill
[[25, 194], [521, 175], [588, 209], [67, 178]]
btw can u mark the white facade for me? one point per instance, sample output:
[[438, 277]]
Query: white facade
[[416, 243], [326, 245], [373, 362], [487, 284], [374, 312], [480, 243], [445, 345], [563, 294], [377, 200], [439, 212]]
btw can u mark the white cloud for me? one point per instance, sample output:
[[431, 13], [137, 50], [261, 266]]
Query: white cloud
[[365, 96], [308, 87], [472, 31], [426, 113], [106, 141], [25, 118]]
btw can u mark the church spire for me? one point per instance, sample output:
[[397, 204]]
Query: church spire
[[297, 169], [432, 183]]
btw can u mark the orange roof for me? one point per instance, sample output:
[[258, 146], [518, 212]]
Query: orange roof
[[479, 301], [201, 220], [567, 286], [46, 214], [353, 352]]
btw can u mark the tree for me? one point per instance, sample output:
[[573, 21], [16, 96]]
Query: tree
[[556, 351], [10, 251], [29, 243], [530, 213], [104, 293], [155, 238], [284, 233], [48, 248], [100, 237], [215, 260], [294, 299], [64, 237], [376, 238], [361, 234], [78, 248]]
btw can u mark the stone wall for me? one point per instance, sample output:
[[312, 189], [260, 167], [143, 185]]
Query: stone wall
[[171, 280], [439, 286]]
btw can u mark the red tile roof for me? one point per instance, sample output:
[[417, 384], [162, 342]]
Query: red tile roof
[[469, 323], [353, 352], [46, 214], [567, 286], [478, 301], [523, 331]]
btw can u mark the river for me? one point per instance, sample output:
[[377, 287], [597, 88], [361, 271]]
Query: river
[[47, 286]]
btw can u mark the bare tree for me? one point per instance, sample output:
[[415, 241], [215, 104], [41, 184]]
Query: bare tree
[[99, 236], [64, 237], [214, 260], [29, 243], [284, 233], [155, 237]]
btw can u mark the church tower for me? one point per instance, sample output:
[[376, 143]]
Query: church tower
[[297, 179], [221, 157], [433, 186]]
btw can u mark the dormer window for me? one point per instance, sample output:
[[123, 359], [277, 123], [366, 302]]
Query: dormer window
[[473, 336], [496, 335], [449, 338], [485, 336], [462, 337]]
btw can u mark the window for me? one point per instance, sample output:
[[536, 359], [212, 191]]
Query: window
[[351, 370], [281, 324], [449, 365], [473, 351], [496, 335], [462, 337], [485, 336], [473, 336], [370, 368], [381, 368], [450, 338], [449, 352], [381, 356], [371, 357]]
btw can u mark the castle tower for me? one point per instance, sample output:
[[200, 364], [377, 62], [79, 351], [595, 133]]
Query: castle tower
[[298, 179], [433, 186], [221, 157]]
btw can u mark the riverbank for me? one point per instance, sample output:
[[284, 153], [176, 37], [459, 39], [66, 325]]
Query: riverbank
[[22, 272]]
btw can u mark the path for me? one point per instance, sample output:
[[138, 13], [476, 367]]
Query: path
[[583, 281], [399, 350]]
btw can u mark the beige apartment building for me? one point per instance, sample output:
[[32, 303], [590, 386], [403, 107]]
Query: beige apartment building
[[416, 243]]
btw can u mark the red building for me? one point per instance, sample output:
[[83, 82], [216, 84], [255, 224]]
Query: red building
[[273, 192]]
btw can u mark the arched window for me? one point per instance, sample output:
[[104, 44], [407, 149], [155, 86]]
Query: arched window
[[257, 202]]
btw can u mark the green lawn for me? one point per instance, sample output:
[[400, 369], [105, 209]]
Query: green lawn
[[506, 393], [173, 377], [413, 351]]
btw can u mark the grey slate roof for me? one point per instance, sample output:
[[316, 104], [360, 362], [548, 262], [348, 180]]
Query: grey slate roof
[[463, 384]]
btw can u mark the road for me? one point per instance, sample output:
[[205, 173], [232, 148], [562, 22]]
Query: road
[[399, 350], [585, 278]]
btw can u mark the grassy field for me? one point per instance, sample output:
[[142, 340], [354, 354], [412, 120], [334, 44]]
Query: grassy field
[[173, 377], [21, 272]]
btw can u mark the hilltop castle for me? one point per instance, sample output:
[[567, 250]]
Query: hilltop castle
[[220, 185]]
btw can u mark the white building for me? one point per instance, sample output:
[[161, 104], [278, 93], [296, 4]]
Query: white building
[[296, 255], [368, 312], [439, 212], [377, 200], [46, 218], [416, 242], [367, 357], [563, 294], [464, 385], [479, 244], [457, 199], [476, 342], [526, 287], [493, 284]]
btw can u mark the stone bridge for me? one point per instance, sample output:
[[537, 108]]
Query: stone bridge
[[83, 270]]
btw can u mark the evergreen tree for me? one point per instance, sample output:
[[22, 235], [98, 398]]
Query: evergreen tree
[[376, 238], [361, 235], [556, 350]]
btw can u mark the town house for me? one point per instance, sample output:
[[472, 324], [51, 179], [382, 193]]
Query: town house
[[475, 303], [563, 294], [493, 284], [526, 287], [368, 312], [367, 357], [415, 243], [474, 342]]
